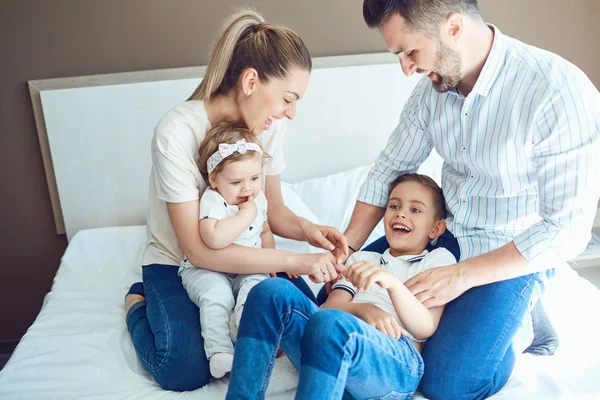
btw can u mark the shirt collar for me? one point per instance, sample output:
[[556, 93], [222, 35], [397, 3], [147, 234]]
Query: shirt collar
[[492, 66], [386, 257]]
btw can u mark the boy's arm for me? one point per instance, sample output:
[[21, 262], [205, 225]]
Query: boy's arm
[[218, 234], [342, 300], [420, 321]]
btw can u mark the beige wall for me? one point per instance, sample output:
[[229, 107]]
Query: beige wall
[[49, 39]]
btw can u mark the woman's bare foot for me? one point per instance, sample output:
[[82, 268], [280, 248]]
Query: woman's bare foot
[[130, 300]]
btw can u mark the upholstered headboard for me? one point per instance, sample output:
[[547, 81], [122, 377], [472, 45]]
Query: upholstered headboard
[[95, 131]]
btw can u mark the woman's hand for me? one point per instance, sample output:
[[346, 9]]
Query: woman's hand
[[326, 237], [363, 274], [322, 267], [379, 319]]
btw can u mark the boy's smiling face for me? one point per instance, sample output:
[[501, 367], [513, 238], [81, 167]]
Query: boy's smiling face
[[411, 219]]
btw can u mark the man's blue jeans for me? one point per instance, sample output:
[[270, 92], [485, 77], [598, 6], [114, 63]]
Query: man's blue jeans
[[470, 356], [333, 350], [165, 330]]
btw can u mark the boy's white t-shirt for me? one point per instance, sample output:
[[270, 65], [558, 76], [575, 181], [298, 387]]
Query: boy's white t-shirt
[[175, 177], [403, 267], [213, 205]]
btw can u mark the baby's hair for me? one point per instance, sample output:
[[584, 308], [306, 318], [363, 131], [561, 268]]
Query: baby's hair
[[226, 133], [424, 180]]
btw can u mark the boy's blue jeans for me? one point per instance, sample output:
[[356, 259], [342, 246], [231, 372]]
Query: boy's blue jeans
[[333, 350], [165, 330], [470, 356]]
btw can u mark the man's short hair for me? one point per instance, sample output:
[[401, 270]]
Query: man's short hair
[[420, 15], [438, 196]]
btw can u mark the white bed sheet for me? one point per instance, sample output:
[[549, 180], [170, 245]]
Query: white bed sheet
[[79, 346]]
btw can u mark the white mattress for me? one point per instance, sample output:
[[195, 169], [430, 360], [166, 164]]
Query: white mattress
[[79, 346]]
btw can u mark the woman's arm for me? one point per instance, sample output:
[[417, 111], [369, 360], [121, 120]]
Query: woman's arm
[[266, 237], [286, 224], [420, 321], [218, 234], [240, 259]]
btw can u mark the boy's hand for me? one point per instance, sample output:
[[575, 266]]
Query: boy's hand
[[379, 319], [363, 274]]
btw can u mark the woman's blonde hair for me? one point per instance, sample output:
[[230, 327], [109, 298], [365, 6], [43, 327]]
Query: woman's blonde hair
[[246, 40], [226, 133]]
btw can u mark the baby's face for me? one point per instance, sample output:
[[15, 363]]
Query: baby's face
[[239, 179], [410, 219]]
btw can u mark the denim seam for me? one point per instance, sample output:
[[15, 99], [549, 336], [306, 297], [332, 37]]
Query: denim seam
[[164, 315], [267, 376], [502, 334]]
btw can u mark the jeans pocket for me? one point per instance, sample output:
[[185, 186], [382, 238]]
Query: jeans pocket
[[393, 395]]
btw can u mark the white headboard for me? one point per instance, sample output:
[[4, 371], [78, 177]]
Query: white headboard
[[95, 131]]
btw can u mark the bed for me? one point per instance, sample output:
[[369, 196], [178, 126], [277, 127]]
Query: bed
[[79, 347]]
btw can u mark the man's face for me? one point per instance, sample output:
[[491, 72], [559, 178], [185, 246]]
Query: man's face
[[423, 54]]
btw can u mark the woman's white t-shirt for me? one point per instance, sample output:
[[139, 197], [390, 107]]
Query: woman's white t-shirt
[[175, 177]]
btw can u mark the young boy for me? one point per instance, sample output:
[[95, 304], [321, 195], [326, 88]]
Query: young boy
[[414, 217]]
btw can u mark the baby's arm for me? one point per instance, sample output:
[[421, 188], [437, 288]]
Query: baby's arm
[[420, 321], [218, 234]]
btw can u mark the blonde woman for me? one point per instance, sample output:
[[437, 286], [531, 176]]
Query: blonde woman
[[256, 74]]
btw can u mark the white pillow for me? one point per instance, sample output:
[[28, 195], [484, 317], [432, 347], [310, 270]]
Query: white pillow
[[293, 201], [332, 198]]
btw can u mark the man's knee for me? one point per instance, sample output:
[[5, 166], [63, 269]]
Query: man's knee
[[455, 384]]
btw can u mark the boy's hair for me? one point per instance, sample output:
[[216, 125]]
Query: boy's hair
[[230, 134], [424, 180], [420, 15]]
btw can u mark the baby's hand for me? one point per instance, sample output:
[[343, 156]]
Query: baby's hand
[[249, 204]]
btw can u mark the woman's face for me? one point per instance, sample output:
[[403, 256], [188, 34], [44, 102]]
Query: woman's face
[[263, 103]]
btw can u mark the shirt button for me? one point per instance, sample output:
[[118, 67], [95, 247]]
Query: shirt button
[[464, 148]]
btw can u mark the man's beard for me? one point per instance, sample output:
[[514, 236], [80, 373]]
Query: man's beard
[[448, 64]]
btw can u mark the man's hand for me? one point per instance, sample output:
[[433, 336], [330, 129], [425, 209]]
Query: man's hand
[[439, 286], [379, 319], [326, 237], [363, 274]]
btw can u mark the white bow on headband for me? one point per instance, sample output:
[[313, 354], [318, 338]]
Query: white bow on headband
[[226, 149]]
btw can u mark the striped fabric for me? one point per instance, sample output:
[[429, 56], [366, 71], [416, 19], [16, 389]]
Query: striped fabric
[[521, 154]]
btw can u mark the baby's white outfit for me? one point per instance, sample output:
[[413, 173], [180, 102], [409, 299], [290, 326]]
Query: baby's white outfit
[[216, 293]]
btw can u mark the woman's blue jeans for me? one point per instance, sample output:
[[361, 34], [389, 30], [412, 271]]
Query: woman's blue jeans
[[334, 351], [165, 330]]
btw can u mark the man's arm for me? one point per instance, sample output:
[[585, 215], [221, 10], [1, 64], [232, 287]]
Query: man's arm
[[364, 219], [407, 148], [566, 152]]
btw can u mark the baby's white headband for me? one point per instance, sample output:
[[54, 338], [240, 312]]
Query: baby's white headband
[[226, 149]]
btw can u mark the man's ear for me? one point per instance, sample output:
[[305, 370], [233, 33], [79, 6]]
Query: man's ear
[[455, 26], [438, 229]]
